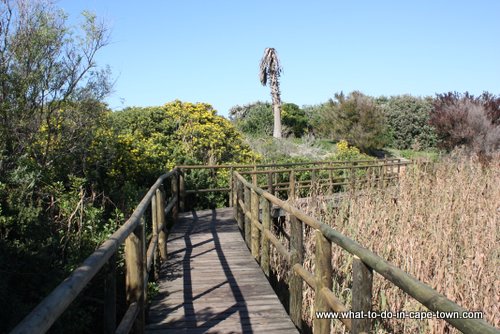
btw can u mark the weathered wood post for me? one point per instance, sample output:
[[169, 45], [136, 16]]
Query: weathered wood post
[[240, 212], [134, 280], [232, 193], [382, 174], [270, 183], [110, 296], [314, 187], [330, 184], [248, 222], [291, 187], [323, 275], [175, 193], [362, 281], [160, 221], [266, 228], [255, 222], [182, 191], [231, 190], [154, 230], [352, 177], [295, 285]]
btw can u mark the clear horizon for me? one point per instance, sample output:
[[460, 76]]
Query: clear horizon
[[209, 52]]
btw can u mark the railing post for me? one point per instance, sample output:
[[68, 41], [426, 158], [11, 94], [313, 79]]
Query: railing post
[[175, 193], [362, 281], [330, 178], [160, 221], [295, 285], [248, 222], [352, 177], [240, 216], [233, 198], [182, 191], [110, 296], [255, 222], [313, 190], [154, 229], [270, 186], [323, 273], [266, 224], [291, 191], [134, 260]]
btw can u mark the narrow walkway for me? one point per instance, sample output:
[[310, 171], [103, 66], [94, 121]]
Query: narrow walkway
[[212, 284]]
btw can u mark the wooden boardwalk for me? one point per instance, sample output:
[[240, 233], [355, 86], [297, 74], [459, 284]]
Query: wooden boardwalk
[[212, 284]]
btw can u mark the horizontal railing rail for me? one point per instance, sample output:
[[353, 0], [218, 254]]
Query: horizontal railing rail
[[275, 181], [252, 210], [139, 261]]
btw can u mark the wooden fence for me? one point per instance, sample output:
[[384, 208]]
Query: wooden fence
[[252, 207], [139, 262], [252, 210], [277, 178]]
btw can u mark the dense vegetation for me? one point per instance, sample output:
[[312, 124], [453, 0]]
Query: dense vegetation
[[71, 170], [400, 122]]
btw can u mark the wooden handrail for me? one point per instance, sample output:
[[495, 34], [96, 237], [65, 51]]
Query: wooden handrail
[[236, 166], [275, 186], [252, 209], [46, 313], [423, 293]]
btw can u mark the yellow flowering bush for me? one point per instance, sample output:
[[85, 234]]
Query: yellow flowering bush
[[139, 144], [346, 152]]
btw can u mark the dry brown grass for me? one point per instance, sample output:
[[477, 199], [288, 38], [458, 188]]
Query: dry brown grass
[[443, 229]]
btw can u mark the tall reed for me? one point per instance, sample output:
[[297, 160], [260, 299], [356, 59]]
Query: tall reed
[[441, 225]]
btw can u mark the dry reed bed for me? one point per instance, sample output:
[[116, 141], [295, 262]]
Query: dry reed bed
[[443, 229]]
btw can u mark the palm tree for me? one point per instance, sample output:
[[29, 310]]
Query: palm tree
[[270, 68]]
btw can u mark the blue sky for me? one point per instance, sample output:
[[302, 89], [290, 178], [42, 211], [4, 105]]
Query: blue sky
[[209, 51]]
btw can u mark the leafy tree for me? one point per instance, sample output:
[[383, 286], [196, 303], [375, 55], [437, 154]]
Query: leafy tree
[[270, 69], [294, 120], [254, 119], [50, 110], [408, 121], [355, 118], [43, 65]]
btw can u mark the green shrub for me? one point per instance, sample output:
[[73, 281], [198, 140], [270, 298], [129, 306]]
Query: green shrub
[[254, 119], [408, 122], [355, 118], [295, 120]]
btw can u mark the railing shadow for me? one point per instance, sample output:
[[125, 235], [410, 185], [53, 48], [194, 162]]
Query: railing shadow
[[204, 319]]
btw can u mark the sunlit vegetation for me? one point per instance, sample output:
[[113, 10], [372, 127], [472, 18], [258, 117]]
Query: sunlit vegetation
[[71, 170]]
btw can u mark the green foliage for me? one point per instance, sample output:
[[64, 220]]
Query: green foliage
[[408, 120], [139, 144], [355, 118], [254, 119], [294, 120]]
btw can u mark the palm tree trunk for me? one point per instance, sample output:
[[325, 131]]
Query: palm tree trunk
[[275, 94]]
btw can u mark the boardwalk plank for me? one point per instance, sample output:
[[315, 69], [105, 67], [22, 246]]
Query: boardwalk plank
[[211, 283]]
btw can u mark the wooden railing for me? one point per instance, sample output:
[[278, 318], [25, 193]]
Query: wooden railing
[[253, 212], [139, 262], [277, 178], [252, 208]]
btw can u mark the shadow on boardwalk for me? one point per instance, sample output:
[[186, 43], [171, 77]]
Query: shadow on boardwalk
[[211, 283]]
